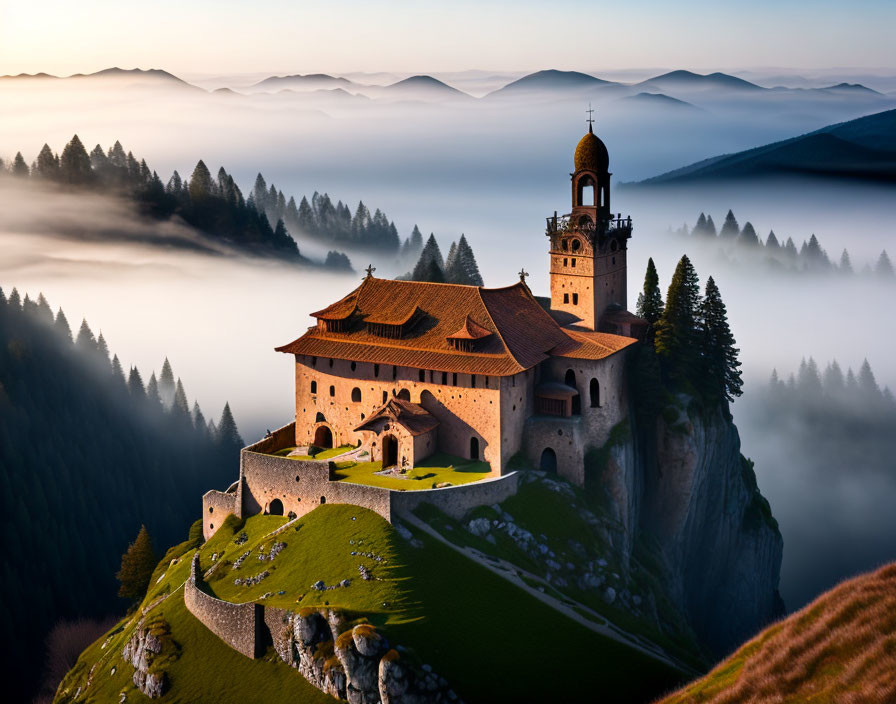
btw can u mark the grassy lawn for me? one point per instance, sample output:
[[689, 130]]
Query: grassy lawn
[[434, 470], [318, 547]]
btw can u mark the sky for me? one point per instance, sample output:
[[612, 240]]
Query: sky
[[226, 36]]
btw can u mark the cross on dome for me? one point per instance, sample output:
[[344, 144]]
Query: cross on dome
[[370, 269], [590, 119]]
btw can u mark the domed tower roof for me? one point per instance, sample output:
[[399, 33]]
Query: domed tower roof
[[591, 154]]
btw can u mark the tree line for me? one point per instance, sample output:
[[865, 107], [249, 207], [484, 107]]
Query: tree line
[[88, 453], [459, 267], [689, 345], [810, 256], [265, 223], [839, 421]]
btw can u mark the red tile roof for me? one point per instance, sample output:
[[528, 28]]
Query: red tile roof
[[520, 333], [411, 416]]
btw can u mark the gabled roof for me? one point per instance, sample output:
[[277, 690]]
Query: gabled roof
[[516, 332], [411, 416]]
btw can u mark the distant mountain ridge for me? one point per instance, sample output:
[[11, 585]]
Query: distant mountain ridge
[[864, 148]]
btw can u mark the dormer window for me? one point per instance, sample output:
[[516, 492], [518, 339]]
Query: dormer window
[[393, 326], [469, 337]]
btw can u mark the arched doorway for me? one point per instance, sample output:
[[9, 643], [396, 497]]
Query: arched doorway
[[323, 437], [276, 508], [390, 451], [548, 461], [595, 393], [570, 378], [474, 448], [404, 395]]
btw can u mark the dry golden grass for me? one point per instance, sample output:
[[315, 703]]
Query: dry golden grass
[[840, 648]]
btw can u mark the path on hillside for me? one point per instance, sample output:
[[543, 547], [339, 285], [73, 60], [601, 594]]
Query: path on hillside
[[514, 574]]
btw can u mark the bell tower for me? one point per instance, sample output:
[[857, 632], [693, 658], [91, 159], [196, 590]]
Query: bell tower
[[588, 245]]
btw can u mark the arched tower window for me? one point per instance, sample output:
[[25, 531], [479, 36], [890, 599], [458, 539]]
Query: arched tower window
[[314, 387], [356, 395], [595, 393], [570, 378], [586, 191]]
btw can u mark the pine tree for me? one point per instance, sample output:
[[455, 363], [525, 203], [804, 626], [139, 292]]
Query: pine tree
[[166, 384], [62, 326], [700, 227], [47, 164], [118, 372], [152, 392], [85, 340], [14, 300], [884, 267], [200, 183], [468, 268], [730, 228], [430, 260], [44, 312], [790, 249], [808, 379], [676, 334], [227, 432], [748, 237], [719, 364], [19, 166], [771, 243], [710, 227], [74, 164], [135, 385], [416, 241], [867, 383], [306, 217], [199, 419], [650, 300], [845, 263], [180, 407], [137, 565], [102, 348], [832, 381]]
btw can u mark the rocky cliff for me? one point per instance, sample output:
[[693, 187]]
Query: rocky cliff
[[684, 489]]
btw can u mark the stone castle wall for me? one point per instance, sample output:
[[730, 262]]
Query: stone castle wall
[[455, 501], [300, 486], [216, 506], [238, 625]]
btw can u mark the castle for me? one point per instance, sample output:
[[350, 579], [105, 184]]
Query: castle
[[397, 371]]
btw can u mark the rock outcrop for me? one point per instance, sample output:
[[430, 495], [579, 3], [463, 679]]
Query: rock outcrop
[[716, 533], [356, 663], [147, 651]]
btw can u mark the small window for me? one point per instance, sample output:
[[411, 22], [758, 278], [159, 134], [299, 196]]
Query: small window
[[331, 362], [314, 361], [376, 369], [356, 395], [454, 379], [565, 261], [314, 387], [566, 298], [332, 391], [323, 499], [575, 299], [444, 377], [573, 262], [473, 380], [595, 393], [422, 375], [354, 366], [394, 372], [614, 260]]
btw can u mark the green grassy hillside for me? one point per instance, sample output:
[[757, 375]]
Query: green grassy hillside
[[491, 640]]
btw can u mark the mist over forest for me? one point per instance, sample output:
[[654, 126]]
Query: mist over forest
[[491, 168]]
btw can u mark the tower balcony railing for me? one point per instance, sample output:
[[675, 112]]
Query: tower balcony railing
[[559, 224]]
